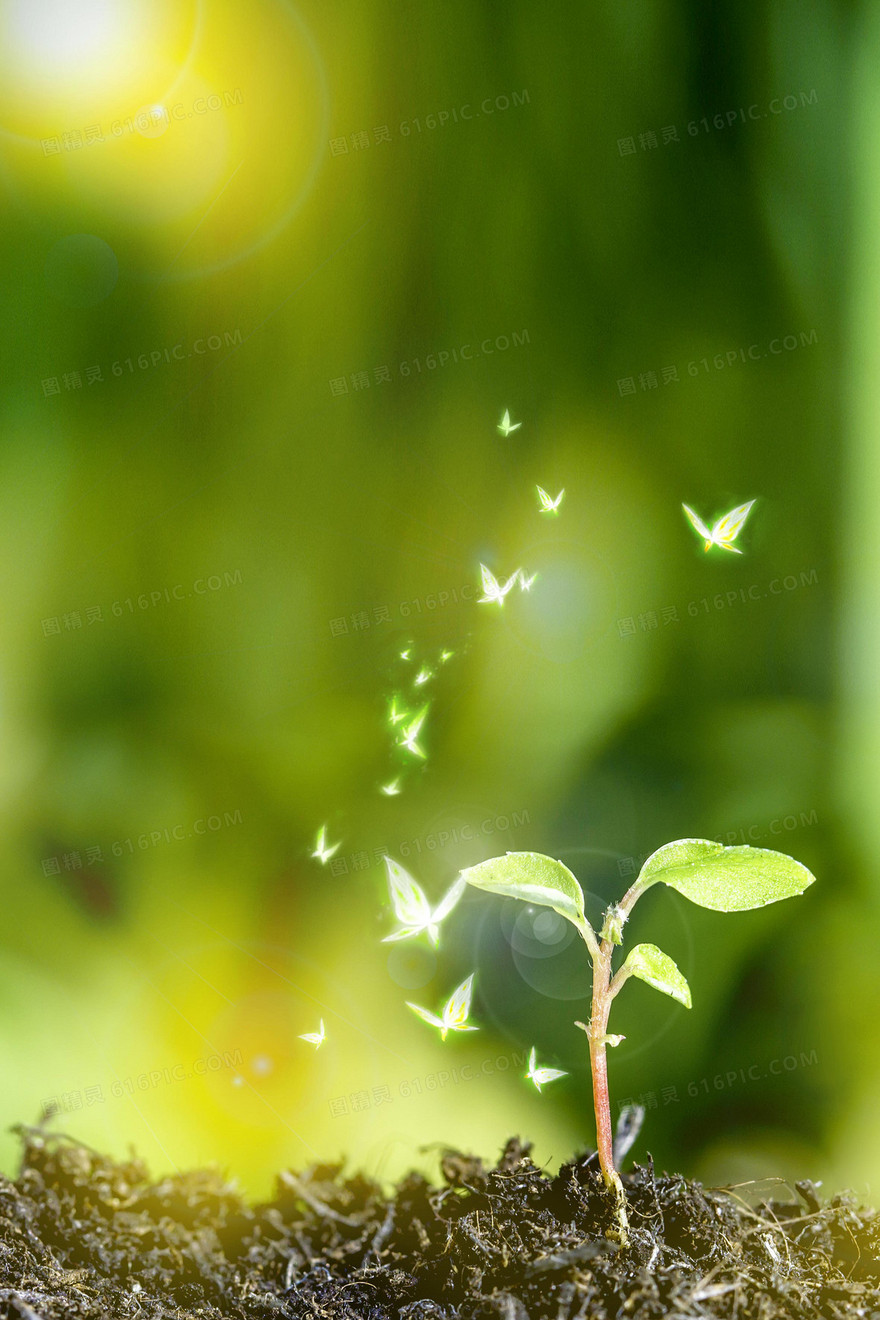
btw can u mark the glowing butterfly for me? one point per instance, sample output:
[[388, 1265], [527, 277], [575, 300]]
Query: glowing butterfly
[[411, 907], [506, 426], [725, 531], [411, 733], [455, 1010], [541, 1075], [322, 852], [315, 1038], [423, 675], [405, 655], [525, 584], [446, 655], [491, 588], [394, 714], [392, 789], [548, 505]]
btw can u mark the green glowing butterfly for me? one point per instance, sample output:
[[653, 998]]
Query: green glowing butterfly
[[506, 426], [446, 655], [548, 505], [525, 584], [492, 590], [725, 531], [411, 907], [454, 1013], [542, 1075], [322, 852], [315, 1038], [395, 715], [423, 675], [392, 789], [411, 733]]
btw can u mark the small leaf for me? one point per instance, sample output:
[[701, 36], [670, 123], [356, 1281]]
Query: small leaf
[[534, 878], [726, 879], [650, 964]]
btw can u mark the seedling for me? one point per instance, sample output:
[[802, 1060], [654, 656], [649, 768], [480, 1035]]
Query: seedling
[[710, 875]]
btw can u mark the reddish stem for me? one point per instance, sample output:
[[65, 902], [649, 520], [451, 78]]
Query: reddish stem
[[598, 1062]]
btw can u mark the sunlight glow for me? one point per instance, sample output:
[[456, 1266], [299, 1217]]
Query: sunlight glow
[[56, 35]]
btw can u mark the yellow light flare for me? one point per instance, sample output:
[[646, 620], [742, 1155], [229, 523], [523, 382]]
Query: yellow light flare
[[60, 62]]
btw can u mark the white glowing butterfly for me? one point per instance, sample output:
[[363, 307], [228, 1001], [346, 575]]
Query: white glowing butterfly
[[542, 1075], [446, 655], [405, 655], [548, 505], [394, 714], [725, 531], [411, 733], [525, 584], [315, 1038], [505, 426], [491, 588], [392, 789], [455, 1010], [423, 675], [322, 852], [411, 907]]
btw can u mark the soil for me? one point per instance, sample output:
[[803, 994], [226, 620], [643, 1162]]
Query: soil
[[84, 1236]]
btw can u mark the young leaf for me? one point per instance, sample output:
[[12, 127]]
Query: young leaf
[[726, 879], [534, 878], [649, 964]]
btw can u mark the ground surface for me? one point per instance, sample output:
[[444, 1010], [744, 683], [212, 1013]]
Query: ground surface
[[81, 1236]]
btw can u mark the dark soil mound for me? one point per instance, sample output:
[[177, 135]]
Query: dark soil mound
[[81, 1236]]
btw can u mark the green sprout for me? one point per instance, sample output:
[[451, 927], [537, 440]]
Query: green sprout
[[709, 874]]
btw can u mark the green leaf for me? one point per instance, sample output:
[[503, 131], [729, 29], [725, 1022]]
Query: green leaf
[[650, 964], [726, 879], [534, 878]]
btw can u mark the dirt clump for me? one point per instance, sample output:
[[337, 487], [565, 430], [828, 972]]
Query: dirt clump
[[83, 1236]]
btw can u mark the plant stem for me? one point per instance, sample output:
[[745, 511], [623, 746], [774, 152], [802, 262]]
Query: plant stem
[[604, 991], [596, 1034], [598, 1061]]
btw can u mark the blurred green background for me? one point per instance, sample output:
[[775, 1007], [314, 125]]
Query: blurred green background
[[272, 276]]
